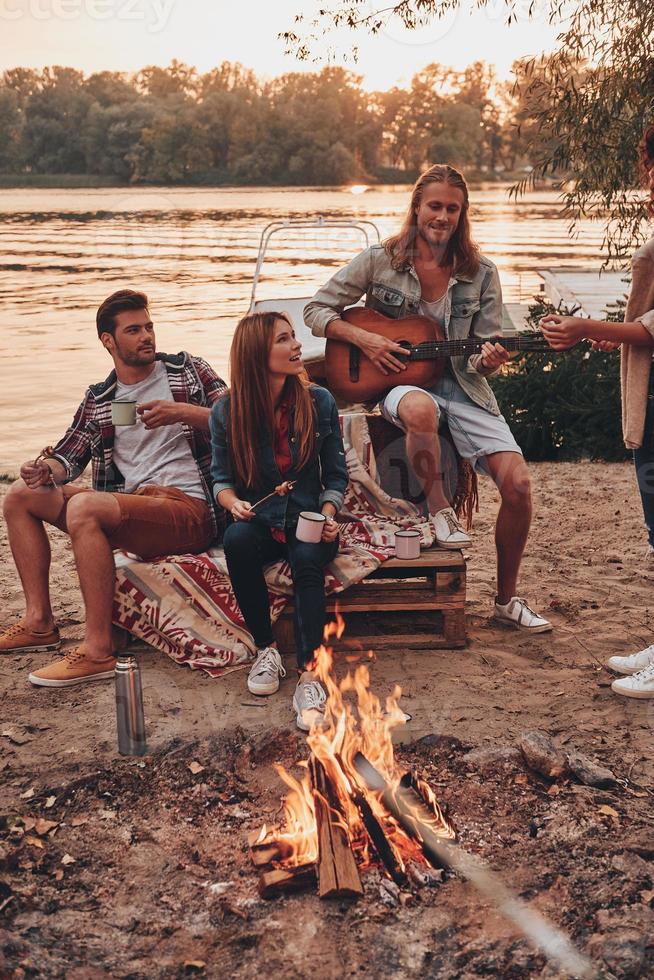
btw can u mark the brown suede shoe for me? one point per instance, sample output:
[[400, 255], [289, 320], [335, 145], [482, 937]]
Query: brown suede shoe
[[75, 668], [19, 639]]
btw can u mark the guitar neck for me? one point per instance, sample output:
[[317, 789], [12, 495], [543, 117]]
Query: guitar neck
[[431, 349]]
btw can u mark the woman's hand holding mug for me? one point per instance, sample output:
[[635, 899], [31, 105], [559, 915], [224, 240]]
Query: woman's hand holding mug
[[330, 527]]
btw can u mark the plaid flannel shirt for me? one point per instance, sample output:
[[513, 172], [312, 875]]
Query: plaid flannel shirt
[[90, 437]]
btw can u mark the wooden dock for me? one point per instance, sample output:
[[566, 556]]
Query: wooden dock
[[588, 293], [514, 318]]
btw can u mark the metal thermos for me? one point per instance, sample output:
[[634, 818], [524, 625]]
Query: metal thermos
[[129, 707]]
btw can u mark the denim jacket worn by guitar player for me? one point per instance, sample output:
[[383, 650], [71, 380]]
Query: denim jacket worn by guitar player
[[473, 308]]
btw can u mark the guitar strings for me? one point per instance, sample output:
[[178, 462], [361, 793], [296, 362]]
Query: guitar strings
[[449, 347]]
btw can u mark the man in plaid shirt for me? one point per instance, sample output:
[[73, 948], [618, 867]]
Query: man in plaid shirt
[[151, 487]]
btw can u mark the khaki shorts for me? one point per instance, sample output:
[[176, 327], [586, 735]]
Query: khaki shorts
[[156, 521], [475, 432]]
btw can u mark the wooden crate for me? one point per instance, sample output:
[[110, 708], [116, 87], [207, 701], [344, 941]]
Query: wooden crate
[[432, 587]]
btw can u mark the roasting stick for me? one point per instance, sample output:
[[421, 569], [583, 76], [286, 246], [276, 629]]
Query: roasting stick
[[281, 491], [406, 807]]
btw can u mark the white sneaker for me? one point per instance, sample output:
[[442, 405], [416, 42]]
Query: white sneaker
[[517, 613], [640, 685], [309, 704], [448, 531], [265, 672], [633, 663]]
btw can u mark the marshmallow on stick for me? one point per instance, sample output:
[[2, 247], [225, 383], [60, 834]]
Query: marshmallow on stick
[[282, 490]]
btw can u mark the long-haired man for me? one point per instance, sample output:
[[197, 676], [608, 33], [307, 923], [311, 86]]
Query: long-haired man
[[434, 268]]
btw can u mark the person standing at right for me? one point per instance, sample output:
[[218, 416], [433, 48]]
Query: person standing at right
[[636, 335]]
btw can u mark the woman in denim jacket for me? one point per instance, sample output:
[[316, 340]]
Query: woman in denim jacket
[[273, 430]]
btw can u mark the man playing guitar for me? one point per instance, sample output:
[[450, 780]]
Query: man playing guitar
[[433, 268]]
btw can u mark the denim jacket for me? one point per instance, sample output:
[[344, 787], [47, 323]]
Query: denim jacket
[[473, 308], [322, 480]]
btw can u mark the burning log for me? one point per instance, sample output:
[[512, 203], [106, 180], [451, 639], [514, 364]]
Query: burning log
[[270, 855], [424, 793], [383, 847], [283, 881], [269, 851], [337, 871]]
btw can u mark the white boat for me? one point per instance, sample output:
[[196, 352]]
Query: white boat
[[313, 348]]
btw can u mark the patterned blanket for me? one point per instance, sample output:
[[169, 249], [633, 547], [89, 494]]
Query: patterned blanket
[[184, 606]]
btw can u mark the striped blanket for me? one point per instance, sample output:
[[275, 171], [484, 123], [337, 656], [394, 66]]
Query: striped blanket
[[183, 605]]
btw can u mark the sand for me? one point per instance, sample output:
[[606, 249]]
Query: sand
[[148, 838], [584, 569]]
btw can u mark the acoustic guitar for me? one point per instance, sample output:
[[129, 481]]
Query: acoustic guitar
[[352, 376]]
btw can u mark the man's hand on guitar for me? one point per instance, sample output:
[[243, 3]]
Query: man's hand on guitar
[[382, 351], [493, 356]]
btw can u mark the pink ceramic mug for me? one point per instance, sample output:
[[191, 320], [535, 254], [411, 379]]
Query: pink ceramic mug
[[309, 527], [407, 544]]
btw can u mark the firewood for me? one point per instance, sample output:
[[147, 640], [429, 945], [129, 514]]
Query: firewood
[[285, 880], [337, 871], [267, 856], [253, 839], [383, 847]]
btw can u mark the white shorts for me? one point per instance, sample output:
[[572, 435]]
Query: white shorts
[[476, 433]]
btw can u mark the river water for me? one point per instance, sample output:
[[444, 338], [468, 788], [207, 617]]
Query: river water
[[193, 251]]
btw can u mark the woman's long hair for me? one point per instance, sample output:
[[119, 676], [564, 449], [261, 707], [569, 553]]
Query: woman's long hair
[[251, 406], [461, 253]]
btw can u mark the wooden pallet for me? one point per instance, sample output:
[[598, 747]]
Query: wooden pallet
[[434, 584]]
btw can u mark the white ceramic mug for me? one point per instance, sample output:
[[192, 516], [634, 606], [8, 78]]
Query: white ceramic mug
[[123, 413], [407, 544], [309, 527]]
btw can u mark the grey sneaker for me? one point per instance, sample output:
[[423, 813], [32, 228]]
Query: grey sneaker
[[633, 663], [517, 613], [309, 704], [640, 685], [265, 672], [448, 531]]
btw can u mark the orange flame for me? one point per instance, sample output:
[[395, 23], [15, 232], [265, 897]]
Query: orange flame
[[354, 721]]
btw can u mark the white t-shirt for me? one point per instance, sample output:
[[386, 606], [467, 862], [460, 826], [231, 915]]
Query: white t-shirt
[[154, 457], [435, 310]]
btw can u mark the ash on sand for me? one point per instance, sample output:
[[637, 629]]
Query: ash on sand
[[141, 869]]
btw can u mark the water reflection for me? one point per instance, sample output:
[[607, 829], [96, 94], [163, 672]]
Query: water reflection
[[193, 252]]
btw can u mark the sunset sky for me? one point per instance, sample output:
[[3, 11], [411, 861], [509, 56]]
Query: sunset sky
[[125, 35]]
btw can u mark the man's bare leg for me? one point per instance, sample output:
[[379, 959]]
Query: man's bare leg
[[419, 415], [90, 518], [511, 475], [25, 512]]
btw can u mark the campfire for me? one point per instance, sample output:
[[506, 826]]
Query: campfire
[[354, 808]]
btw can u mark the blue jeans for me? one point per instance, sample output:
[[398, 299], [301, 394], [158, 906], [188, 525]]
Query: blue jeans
[[644, 463], [248, 547]]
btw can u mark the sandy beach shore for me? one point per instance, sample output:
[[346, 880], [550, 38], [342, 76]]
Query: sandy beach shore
[[584, 569]]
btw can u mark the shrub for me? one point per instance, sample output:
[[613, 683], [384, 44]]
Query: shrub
[[564, 405]]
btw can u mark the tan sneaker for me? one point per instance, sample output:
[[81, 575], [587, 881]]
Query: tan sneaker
[[75, 668], [19, 639]]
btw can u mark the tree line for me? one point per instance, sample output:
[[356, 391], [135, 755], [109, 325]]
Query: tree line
[[586, 104], [175, 125]]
